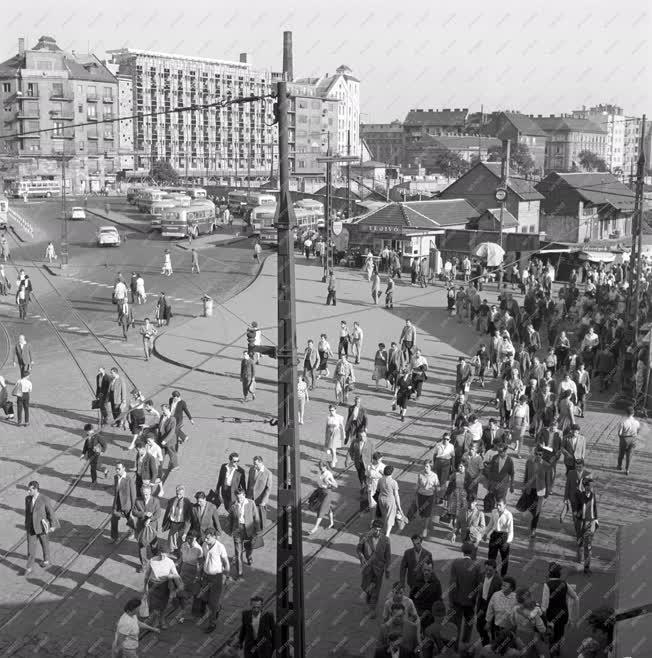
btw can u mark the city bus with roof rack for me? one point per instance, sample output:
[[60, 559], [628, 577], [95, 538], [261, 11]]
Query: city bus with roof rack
[[36, 188], [197, 219]]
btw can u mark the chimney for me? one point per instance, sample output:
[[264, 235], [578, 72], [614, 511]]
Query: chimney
[[21, 46], [243, 58], [287, 56]]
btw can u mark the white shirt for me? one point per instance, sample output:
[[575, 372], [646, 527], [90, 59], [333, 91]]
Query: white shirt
[[155, 450], [255, 623], [230, 470], [120, 290], [213, 558], [486, 584], [163, 568], [128, 627], [502, 523], [24, 386]]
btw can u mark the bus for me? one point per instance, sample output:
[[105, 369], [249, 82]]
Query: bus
[[199, 218], [236, 201], [196, 192], [148, 197], [306, 222], [4, 212], [256, 199], [157, 209], [132, 193], [261, 216], [36, 188]]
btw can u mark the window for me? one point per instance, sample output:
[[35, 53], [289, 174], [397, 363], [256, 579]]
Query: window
[[92, 112], [6, 87], [32, 89], [108, 93], [57, 89], [80, 90], [58, 127], [91, 91], [44, 65]]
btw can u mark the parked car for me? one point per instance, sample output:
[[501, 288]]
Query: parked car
[[108, 235], [77, 213]]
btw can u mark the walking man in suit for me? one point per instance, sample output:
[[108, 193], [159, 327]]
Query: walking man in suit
[[23, 356], [102, 387], [204, 516], [167, 436], [94, 447], [247, 377], [243, 527], [310, 363], [375, 555], [466, 576], [573, 448], [490, 584], [259, 486], [257, 631], [356, 420], [177, 518], [178, 408], [40, 521], [118, 396], [231, 479], [360, 452], [147, 511], [124, 499], [146, 467], [412, 562]]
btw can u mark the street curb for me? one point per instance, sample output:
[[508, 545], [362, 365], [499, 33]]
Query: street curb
[[222, 243], [115, 221]]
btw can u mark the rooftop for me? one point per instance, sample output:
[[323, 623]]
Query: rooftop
[[524, 124], [593, 187], [520, 186], [509, 221], [445, 117], [569, 124], [454, 142], [421, 215], [186, 58]]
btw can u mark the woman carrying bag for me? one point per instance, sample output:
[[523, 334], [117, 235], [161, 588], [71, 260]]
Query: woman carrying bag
[[427, 487], [5, 403], [161, 577], [125, 641], [320, 500]]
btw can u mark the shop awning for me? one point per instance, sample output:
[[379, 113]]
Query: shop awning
[[563, 250], [598, 256]]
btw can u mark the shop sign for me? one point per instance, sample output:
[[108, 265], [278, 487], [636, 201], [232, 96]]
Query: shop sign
[[371, 228], [337, 227]]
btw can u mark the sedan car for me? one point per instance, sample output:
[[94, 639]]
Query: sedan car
[[108, 235], [77, 213]]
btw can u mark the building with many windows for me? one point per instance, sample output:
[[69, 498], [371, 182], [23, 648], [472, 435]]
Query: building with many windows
[[46, 89], [386, 141], [227, 145], [612, 119]]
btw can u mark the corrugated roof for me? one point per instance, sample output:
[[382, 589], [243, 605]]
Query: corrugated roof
[[436, 118], [524, 124], [421, 215], [593, 187], [569, 124], [520, 186]]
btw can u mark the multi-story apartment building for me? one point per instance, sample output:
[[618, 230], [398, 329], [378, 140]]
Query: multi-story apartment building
[[228, 145], [344, 88], [612, 119], [386, 141], [633, 126], [435, 122], [567, 137], [46, 89]]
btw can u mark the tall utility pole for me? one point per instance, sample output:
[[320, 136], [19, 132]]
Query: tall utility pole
[[637, 236], [504, 177], [64, 212], [289, 550], [348, 176]]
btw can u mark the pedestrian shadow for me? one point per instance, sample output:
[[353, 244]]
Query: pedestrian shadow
[[70, 414]]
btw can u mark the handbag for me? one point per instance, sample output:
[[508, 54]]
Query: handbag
[[147, 535], [257, 542], [95, 404], [401, 521], [526, 501]]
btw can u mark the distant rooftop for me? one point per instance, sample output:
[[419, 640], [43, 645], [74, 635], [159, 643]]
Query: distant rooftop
[[185, 58], [445, 117]]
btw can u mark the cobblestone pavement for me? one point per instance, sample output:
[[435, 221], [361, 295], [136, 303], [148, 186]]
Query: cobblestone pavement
[[83, 603]]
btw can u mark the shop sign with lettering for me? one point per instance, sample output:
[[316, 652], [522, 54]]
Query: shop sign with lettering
[[371, 228]]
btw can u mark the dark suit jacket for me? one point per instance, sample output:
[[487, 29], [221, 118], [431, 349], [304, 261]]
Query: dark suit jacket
[[209, 519], [146, 467], [124, 496], [361, 455], [356, 426], [312, 356], [466, 575], [180, 409], [259, 485], [486, 437], [24, 355], [167, 431], [500, 477], [250, 518], [42, 511], [102, 385], [261, 645], [496, 584], [140, 509], [239, 481], [186, 514], [411, 565]]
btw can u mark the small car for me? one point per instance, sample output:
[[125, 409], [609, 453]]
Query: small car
[[108, 235], [77, 213]]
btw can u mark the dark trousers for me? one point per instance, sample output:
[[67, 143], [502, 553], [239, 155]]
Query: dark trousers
[[32, 541], [116, 515], [241, 543], [22, 310], [94, 462], [213, 584], [262, 515], [362, 473], [463, 619], [24, 368], [331, 298], [481, 623], [309, 376], [625, 450], [408, 346], [171, 450], [343, 347], [23, 407], [105, 410], [146, 550], [498, 544]]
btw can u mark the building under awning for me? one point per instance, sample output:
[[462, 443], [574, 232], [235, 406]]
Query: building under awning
[[598, 256]]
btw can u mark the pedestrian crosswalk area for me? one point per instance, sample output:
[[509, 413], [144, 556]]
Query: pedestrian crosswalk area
[[151, 296]]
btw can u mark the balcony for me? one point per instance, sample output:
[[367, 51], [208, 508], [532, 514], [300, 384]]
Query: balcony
[[27, 114], [92, 98], [107, 99], [66, 134], [108, 136], [63, 96], [91, 117], [109, 116], [92, 136]]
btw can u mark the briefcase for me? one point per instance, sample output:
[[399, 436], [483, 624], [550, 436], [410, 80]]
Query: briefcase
[[257, 542], [95, 404]]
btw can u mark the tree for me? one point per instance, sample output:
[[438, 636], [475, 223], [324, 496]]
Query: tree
[[520, 160], [163, 172], [451, 164], [591, 161]]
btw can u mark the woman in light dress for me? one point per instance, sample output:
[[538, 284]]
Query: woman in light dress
[[334, 434], [141, 296], [50, 253], [325, 352], [369, 264], [389, 502], [375, 286], [380, 366], [519, 423], [375, 471], [158, 574], [456, 499], [427, 487], [321, 498], [167, 263], [566, 411], [443, 461], [302, 396]]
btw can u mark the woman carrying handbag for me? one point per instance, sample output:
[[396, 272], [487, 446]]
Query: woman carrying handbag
[[161, 579]]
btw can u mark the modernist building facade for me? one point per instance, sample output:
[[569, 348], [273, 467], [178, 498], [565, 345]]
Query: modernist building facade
[[225, 145], [46, 89]]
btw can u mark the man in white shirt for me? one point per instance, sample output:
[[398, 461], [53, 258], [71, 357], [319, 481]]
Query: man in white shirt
[[356, 337], [501, 534], [22, 391], [628, 435], [501, 604], [214, 569]]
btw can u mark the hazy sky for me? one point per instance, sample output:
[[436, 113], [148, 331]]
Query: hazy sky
[[538, 58]]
